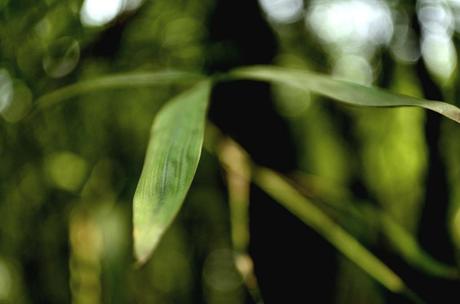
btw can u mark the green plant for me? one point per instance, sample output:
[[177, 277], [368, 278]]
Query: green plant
[[314, 194], [174, 150]]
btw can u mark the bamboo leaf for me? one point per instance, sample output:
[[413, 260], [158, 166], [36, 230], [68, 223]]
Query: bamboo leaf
[[347, 92], [405, 244], [170, 164], [287, 196], [399, 239], [314, 217], [128, 80]]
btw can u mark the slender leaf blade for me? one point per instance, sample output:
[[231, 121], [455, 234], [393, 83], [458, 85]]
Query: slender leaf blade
[[290, 198], [406, 245], [171, 161], [314, 217], [400, 240], [118, 81], [347, 92]]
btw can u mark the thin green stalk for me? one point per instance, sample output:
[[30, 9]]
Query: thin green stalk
[[128, 80], [314, 217]]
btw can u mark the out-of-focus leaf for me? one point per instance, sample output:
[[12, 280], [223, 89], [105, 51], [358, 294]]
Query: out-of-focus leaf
[[128, 80], [314, 217], [170, 164], [405, 244], [347, 92], [399, 239]]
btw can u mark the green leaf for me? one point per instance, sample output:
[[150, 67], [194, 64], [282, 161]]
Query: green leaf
[[347, 92], [128, 80], [314, 217], [171, 161], [361, 214], [405, 244]]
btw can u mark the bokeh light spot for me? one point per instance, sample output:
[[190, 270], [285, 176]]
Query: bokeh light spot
[[219, 271], [5, 282], [20, 102], [62, 57], [355, 68], [283, 11], [6, 90], [100, 12], [66, 170], [15, 98], [440, 55], [437, 48], [351, 22]]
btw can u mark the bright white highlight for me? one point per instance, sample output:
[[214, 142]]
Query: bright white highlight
[[355, 22], [439, 55], [283, 11], [100, 12], [352, 30], [405, 44], [438, 49]]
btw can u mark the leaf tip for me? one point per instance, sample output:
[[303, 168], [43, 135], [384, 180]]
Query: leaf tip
[[144, 245]]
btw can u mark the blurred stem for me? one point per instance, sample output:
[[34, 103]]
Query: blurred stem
[[289, 198], [238, 188], [311, 215], [238, 177]]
